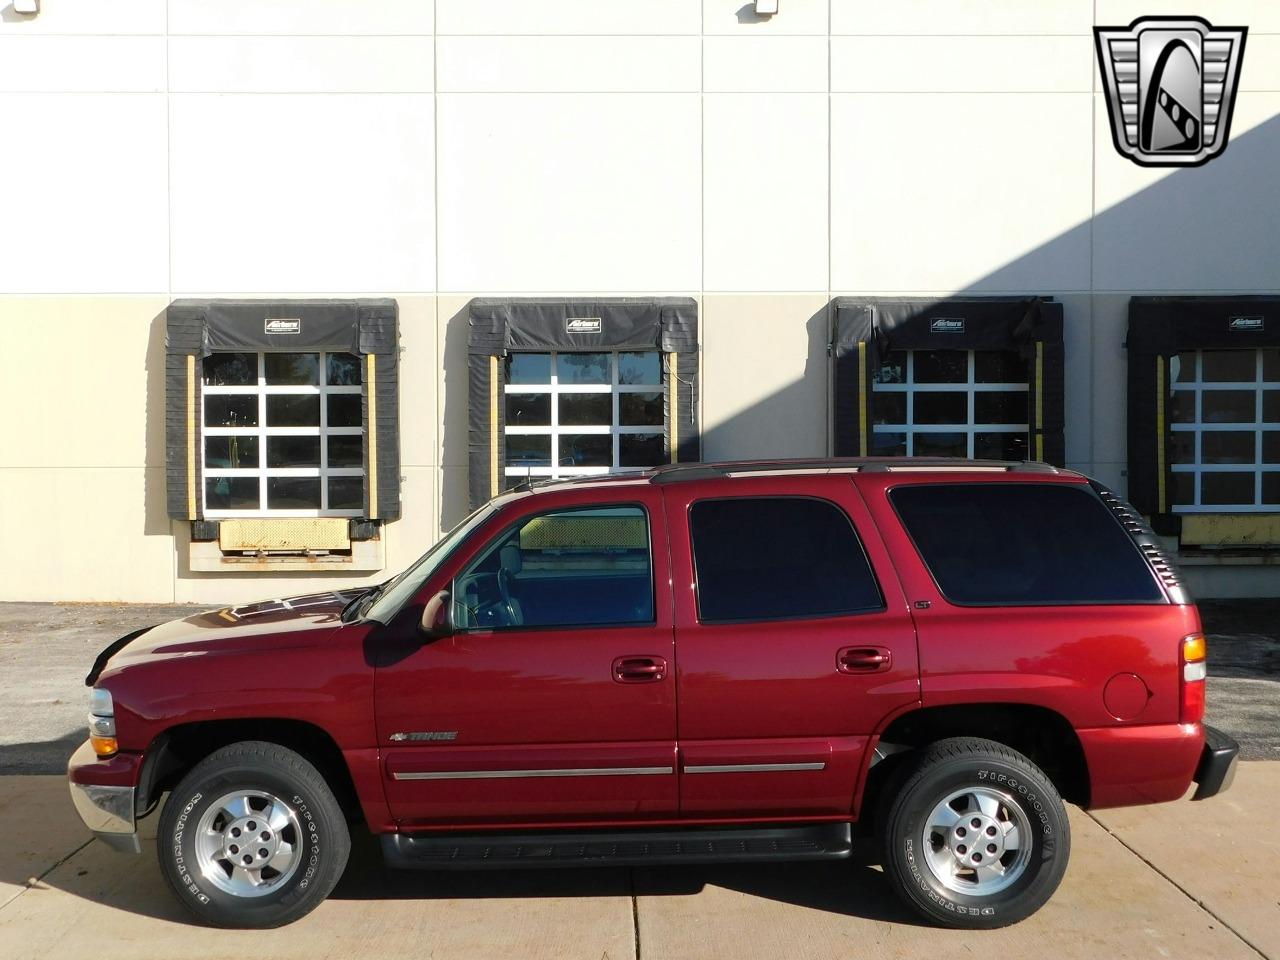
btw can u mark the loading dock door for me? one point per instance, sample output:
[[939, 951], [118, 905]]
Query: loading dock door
[[972, 377]]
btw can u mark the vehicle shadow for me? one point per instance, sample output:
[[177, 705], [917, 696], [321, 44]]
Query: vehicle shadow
[[40, 756], [853, 887]]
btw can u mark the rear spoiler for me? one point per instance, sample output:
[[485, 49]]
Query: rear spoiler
[[116, 646]]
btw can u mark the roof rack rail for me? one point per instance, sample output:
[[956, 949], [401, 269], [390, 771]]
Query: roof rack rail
[[528, 483], [679, 473], [688, 472], [1005, 466]]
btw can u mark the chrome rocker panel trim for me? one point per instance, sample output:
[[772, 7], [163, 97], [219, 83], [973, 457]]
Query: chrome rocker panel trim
[[520, 774]]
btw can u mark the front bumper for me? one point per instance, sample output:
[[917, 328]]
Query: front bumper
[[1217, 767], [106, 809]]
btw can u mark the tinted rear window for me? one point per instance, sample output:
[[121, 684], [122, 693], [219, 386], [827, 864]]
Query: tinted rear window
[[1020, 544], [778, 558]]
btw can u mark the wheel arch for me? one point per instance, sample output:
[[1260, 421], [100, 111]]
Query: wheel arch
[[179, 748], [1044, 736]]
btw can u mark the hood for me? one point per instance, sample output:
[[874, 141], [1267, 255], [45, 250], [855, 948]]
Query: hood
[[271, 622]]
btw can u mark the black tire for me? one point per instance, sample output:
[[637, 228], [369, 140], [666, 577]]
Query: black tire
[[321, 838], [956, 764]]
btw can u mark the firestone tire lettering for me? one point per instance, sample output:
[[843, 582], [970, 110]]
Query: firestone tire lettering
[[283, 773], [945, 767]]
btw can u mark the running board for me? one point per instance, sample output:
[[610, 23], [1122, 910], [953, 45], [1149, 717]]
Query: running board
[[446, 851]]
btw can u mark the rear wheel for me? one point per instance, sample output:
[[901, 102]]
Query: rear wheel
[[252, 837], [976, 835]]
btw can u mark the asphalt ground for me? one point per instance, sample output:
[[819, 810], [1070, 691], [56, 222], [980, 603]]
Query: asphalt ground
[[47, 648]]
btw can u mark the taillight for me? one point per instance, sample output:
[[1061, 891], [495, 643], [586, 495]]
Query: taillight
[[1194, 670]]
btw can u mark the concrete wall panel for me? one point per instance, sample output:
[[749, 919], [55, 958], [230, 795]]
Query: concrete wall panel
[[91, 407], [301, 17], [301, 64], [85, 201], [764, 364], [765, 191], [765, 64], [962, 17], [1201, 229], [566, 17], [318, 192], [568, 64], [53, 64], [92, 533], [925, 196], [569, 192], [944, 64]]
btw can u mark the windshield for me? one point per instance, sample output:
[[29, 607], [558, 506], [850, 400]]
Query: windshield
[[401, 590]]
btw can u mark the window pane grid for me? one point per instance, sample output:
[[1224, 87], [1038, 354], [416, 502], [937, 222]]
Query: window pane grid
[[569, 447], [255, 488], [1213, 472], [910, 427]]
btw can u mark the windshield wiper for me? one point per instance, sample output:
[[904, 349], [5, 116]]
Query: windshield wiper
[[369, 593]]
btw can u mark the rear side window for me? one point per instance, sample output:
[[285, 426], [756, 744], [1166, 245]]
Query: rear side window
[[778, 558], [1023, 544]]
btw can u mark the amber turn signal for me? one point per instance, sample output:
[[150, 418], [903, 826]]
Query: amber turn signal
[[104, 746], [1194, 648]]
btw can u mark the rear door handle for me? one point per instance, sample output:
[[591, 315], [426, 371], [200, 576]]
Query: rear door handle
[[639, 669], [863, 659]]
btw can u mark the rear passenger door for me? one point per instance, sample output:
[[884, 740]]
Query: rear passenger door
[[794, 644]]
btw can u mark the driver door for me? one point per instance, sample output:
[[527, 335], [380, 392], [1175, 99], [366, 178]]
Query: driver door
[[554, 700]]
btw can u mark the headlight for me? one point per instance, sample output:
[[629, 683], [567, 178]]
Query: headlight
[[102, 723]]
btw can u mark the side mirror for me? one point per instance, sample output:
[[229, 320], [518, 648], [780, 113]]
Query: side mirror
[[437, 617]]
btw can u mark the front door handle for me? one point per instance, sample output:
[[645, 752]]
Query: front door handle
[[639, 669], [863, 659]]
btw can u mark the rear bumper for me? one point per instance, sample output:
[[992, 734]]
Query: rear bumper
[[1141, 764], [1217, 768], [108, 807]]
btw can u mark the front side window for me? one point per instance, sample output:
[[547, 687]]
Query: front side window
[[577, 414], [588, 566], [282, 435], [1224, 422], [950, 403], [1023, 544], [778, 558]]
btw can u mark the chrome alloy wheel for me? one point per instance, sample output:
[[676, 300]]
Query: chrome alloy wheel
[[977, 841], [247, 843]]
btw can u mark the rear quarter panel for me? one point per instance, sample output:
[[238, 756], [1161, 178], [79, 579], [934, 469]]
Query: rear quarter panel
[[1058, 657]]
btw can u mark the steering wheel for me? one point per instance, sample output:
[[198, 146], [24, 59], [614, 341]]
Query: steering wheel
[[510, 608]]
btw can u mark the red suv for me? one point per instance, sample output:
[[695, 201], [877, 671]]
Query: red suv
[[700, 663]]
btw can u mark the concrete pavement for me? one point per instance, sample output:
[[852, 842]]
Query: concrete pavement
[[1173, 881]]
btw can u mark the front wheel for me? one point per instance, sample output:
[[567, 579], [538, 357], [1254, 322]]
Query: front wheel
[[252, 837], [976, 835]]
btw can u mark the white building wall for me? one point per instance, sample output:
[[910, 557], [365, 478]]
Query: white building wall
[[437, 152]]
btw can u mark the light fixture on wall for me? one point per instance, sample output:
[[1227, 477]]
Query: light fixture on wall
[[30, 7], [766, 8]]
